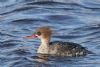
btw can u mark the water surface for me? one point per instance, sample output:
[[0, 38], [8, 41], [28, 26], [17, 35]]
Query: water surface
[[72, 20]]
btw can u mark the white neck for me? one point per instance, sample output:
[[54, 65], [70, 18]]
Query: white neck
[[44, 47]]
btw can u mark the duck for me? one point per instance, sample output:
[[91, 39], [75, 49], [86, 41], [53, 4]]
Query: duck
[[56, 48]]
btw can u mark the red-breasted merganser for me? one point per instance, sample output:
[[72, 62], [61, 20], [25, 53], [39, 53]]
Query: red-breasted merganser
[[56, 48]]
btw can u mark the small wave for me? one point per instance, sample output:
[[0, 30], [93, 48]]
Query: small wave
[[45, 2], [16, 10], [9, 43], [6, 34], [59, 17], [21, 52], [27, 21]]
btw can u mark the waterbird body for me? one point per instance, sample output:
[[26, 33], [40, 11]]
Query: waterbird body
[[56, 48]]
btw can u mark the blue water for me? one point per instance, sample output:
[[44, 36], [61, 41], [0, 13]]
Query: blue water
[[72, 20]]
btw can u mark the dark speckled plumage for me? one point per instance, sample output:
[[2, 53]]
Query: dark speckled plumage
[[60, 48]]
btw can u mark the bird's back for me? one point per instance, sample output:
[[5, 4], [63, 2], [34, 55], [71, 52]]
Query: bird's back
[[60, 48]]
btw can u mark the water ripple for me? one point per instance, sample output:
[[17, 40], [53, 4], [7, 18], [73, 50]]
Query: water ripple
[[76, 21]]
